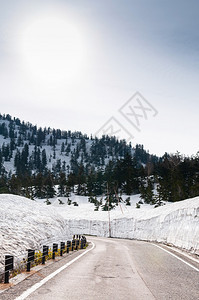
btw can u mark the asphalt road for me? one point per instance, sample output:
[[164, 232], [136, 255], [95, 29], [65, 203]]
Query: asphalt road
[[123, 269]]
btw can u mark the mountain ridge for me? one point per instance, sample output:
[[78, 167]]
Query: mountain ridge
[[27, 148]]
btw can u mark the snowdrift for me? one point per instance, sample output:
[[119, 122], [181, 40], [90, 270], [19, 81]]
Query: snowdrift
[[24, 224], [176, 224], [29, 224]]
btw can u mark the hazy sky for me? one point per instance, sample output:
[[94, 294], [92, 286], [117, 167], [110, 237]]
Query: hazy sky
[[74, 64]]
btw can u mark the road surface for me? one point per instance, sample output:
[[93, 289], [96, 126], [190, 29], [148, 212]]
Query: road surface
[[123, 269]]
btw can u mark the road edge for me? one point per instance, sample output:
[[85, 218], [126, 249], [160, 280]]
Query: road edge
[[33, 288]]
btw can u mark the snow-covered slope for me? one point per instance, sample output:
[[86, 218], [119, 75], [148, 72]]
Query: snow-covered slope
[[59, 147], [24, 224], [85, 209]]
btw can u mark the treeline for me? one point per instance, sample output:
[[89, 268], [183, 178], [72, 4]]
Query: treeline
[[22, 131], [120, 175], [172, 178]]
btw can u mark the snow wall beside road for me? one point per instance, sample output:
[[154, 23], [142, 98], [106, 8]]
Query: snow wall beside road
[[176, 224]]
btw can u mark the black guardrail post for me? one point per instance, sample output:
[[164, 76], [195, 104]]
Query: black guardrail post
[[83, 241], [45, 253], [68, 246], [82, 245], [55, 249], [62, 247], [77, 244], [73, 244], [80, 242], [31, 257], [9, 265]]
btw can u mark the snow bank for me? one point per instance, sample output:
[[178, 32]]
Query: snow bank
[[30, 224], [24, 224], [176, 224]]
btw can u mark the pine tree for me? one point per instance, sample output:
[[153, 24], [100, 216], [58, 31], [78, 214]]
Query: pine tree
[[39, 191], [43, 160], [62, 148], [49, 186], [4, 189], [146, 191], [129, 175], [62, 185], [15, 185]]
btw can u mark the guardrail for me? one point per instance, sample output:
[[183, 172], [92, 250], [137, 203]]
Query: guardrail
[[78, 242]]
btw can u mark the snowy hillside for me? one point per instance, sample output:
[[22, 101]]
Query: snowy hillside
[[24, 148], [50, 148]]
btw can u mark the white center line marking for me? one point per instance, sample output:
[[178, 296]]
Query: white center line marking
[[43, 281], [196, 269]]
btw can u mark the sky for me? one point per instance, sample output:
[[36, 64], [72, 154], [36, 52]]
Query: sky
[[128, 68]]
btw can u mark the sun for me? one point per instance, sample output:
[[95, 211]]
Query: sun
[[53, 49]]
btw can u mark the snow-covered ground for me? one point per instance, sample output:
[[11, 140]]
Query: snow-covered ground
[[85, 209], [29, 224]]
